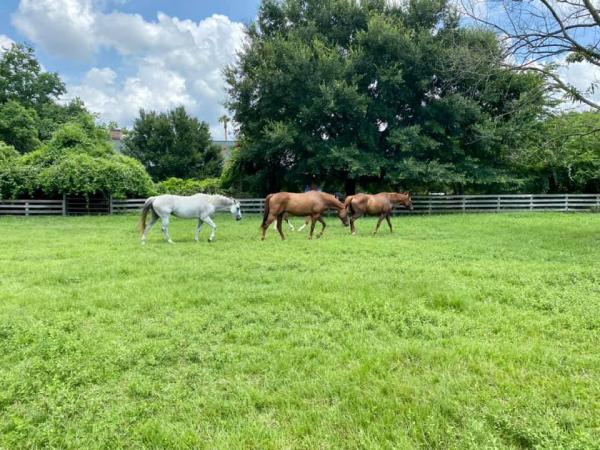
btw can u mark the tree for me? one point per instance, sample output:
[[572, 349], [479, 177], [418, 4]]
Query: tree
[[29, 100], [18, 126], [22, 79], [376, 94], [542, 35], [564, 156], [173, 144], [224, 119]]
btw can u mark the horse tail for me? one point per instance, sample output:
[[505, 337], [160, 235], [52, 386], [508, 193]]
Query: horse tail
[[266, 214], [147, 207], [348, 204]]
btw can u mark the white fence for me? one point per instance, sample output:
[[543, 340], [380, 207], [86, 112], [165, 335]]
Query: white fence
[[423, 204]]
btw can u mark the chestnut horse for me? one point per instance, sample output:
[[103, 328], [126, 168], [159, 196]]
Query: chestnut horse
[[375, 205], [311, 203]]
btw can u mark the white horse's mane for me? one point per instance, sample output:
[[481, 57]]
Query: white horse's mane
[[216, 199]]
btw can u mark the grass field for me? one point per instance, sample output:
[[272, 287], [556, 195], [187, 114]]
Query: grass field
[[458, 331]]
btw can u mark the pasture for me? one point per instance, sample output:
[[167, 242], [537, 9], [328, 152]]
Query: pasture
[[457, 331]]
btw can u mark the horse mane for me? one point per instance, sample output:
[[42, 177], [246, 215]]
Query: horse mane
[[397, 196], [332, 198], [216, 198]]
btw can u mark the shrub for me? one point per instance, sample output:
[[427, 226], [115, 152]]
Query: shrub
[[181, 186], [78, 160], [83, 174]]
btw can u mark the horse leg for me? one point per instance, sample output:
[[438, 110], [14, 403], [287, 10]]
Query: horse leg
[[286, 217], [149, 227], [381, 217], [165, 228], [264, 227], [312, 227], [198, 230], [387, 217], [305, 223], [211, 224], [279, 223], [353, 219], [320, 219]]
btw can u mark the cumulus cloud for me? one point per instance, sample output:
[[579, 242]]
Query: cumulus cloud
[[176, 61]]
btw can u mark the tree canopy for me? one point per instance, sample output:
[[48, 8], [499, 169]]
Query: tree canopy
[[383, 95], [29, 108], [173, 144], [564, 154]]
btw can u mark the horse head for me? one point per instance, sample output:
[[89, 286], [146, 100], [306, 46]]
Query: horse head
[[343, 215], [236, 210], [403, 198]]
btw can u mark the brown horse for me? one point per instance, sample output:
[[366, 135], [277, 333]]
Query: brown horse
[[311, 203], [375, 205]]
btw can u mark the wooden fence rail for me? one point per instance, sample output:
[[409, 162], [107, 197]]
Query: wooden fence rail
[[423, 204]]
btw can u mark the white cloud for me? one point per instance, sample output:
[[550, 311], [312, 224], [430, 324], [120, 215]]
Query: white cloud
[[62, 27], [5, 42], [582, 75], [175, 61]]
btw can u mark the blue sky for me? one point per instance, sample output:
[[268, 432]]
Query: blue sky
[[122, 55]]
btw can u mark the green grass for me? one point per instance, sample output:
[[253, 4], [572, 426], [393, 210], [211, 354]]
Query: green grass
[[458, 331]]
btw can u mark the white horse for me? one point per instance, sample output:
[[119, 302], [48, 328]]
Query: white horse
[[197, 206]]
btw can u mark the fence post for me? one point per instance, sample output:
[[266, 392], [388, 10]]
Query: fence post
[[530, 202], [429, 203], [26, 208], [64, 205], [464, 206], [497, 203], [110, 204], [566, 202]]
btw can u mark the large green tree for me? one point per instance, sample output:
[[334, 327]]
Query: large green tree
[[30, 110], [564, 156], [173, 144], [376, 94], [23, 80]]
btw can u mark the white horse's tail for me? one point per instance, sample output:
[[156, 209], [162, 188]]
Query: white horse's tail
[[147, 207]]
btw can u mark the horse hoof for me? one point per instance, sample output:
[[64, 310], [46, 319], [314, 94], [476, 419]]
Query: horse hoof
[[143, 242], [170, 241]]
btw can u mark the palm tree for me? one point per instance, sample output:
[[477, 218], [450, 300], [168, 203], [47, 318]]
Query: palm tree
[[224, 119]]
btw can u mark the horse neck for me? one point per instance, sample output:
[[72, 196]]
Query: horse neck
[[221, 202], [331, 201], [395, 197]]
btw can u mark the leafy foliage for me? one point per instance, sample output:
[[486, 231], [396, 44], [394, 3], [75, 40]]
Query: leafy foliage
[[77, 160], [565, 154], [29, 111], [22, 79], [173, 144], [375, 93], [18, 126], [189, 186]]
